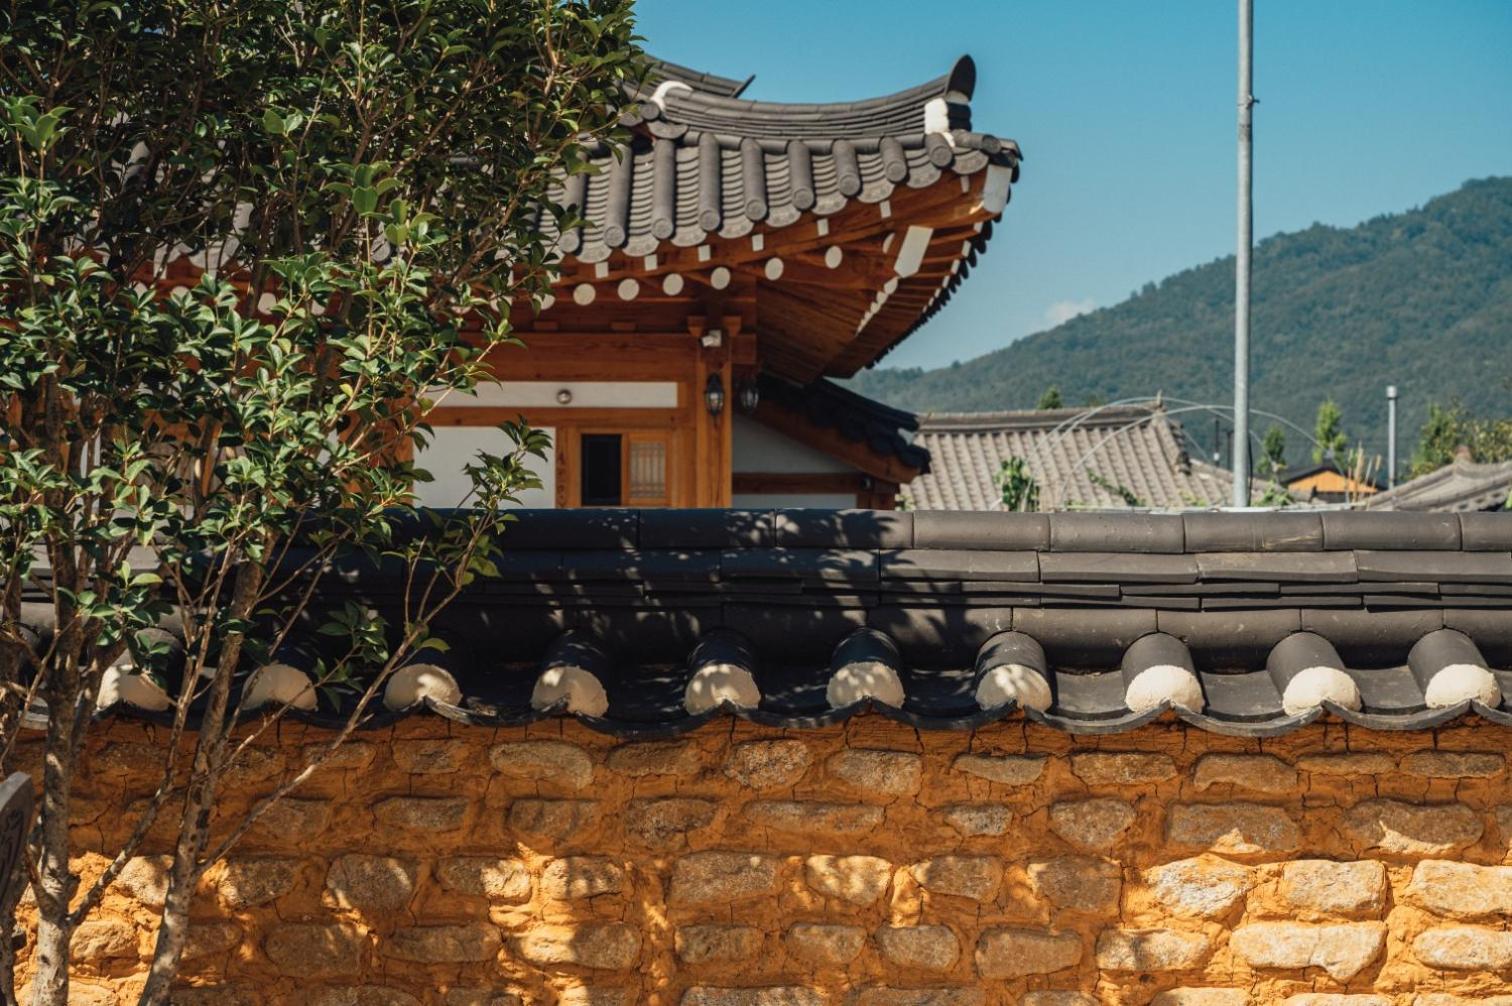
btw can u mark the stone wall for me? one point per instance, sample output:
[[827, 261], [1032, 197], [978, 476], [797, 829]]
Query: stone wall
[[863, 864]]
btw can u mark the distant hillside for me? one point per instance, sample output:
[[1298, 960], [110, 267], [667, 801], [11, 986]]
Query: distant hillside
[[1421, 299]]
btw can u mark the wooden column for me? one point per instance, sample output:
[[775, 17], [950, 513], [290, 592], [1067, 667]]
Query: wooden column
[[712, 454]]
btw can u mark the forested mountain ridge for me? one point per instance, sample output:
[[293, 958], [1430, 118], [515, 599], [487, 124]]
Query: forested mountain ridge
[[1421, 299]]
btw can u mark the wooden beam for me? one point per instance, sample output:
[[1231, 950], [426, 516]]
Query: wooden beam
[[828, 440]]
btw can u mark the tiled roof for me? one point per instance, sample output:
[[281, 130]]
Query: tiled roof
[[1459, 486], [705, 163], [655, 621], [1067, 451], [881, 429]]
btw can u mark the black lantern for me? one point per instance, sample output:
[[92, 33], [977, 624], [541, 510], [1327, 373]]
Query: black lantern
[[748, 397], [714, 395]]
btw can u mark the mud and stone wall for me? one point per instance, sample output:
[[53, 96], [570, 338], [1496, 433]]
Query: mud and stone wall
[[863, 864]]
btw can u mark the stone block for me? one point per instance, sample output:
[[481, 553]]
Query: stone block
[[1091, 824], [1322, 885], [974, 877], [606, 946], [972, 820], [551, 762], [430, 757], [315, 950], [1205, 887], [1010, 952], [1461, 890], [375, 884], [293, 822], [773, 995], [1008, 770], [1335, 999], [1239, 829], [1409, 829], [821, 945], [1201, 997], [646, 758], [1454, 764], [349, 756], [1342, 951], [765, 764], [1360, 763], [444, 944], [581, 877], [482, 997], [253, 881], [211, 939], [1059, 997], [1258, 773], [421, 813], [860, 880], [1147, 950], [926, 948], [1078, 883], [486, 877], [144, 879], [885, 773], [98, 939], [253, 766], [364, 995], [556, 819], [806, 816], [713, 943], [920, 997], [1465, 948], [664, 822], [1121, 768], [720, 877]]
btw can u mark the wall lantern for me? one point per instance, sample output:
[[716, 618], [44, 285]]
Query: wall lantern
[[749, 396], [714, 395]]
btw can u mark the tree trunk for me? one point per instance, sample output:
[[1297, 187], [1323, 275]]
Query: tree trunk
[[210, 755], [54, 928]]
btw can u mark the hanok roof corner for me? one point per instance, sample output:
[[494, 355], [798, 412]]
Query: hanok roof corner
[[854, 220]]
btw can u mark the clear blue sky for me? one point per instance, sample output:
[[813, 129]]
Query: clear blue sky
[[1125, 112]]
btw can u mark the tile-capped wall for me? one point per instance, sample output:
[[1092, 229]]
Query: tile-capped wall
[[865, 864]]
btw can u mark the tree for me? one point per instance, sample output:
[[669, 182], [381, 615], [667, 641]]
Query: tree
[[1050, 399], [1017, 489], [1273, 451], [1329, 439], [346, 198], [1449, 428]]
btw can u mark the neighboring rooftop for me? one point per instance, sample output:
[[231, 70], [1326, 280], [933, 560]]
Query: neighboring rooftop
[[1459, 487], [1080, 458], [653, 622]]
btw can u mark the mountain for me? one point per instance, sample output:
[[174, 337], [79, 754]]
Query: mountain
[[1421, 299]]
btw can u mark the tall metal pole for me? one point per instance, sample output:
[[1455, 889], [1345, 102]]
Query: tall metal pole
[[1242, 258], [1391, 397]]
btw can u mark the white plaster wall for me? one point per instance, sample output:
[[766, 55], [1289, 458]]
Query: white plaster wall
[[453, 447], [758, 448], [584, 395]]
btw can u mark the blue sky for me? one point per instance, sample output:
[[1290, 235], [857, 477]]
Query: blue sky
[[1125, 112]]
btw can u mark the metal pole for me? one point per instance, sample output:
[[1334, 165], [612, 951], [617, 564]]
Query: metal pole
[[1391, 397], [1241, 452]]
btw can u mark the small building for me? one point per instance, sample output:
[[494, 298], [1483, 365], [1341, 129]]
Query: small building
[[734, 257], [1325, 482], [1119, 456]]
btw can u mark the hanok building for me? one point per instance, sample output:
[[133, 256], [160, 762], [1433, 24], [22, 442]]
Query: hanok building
[[733, 258]]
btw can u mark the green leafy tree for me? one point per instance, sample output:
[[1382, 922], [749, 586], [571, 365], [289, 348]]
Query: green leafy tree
[[1017, 489], [1329, 438], [1450, 427], [357, 187], [1050, 399], [1273, 451]]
